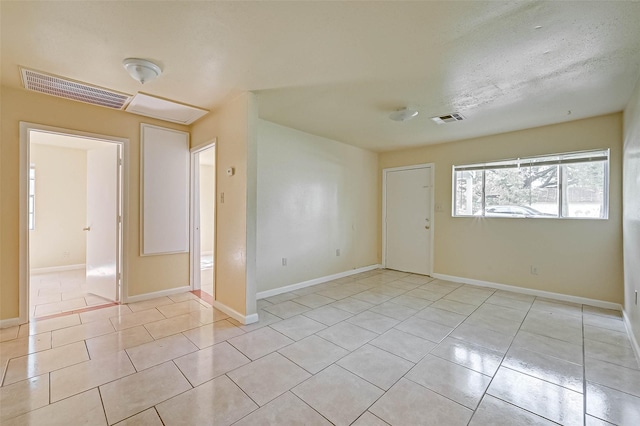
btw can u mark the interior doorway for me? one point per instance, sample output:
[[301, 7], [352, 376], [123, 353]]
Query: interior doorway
[[203, 201], [74, 220], [407, 219]]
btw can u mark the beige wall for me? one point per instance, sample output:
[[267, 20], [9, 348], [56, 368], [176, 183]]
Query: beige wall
[[60, 208], [207, 204], [315, 195], [574, 257], [145, 274], [233, 127], [631, 214]]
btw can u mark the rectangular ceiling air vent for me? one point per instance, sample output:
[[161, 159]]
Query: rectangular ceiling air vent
[[74, 90], [164, 109], [448, 118]]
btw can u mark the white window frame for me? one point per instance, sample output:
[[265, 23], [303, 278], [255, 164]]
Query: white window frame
[[550, 159]]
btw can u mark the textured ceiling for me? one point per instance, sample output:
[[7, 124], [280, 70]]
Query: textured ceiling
[[337, 69]]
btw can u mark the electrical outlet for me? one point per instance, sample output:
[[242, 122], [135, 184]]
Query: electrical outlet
[[222, 198], [284, 261], [337, 252], [66, 254], [439, 207], [534, 270]]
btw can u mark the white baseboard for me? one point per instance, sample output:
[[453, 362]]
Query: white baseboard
[[303, 284], [51, 269], [632, 337], [10, 322], [532, 292], [243, 319], [155, 294]]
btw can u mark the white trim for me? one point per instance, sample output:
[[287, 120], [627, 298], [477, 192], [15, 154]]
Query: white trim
[[303, 284], [243, 319], [632, 337], [432, 169], [62, 268], [156, 294], [206, 253], [24, 270], [532, 292], [10, 322], [194, 215]]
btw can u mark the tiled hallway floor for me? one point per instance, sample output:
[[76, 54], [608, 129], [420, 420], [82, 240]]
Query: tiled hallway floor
[[377, 347]]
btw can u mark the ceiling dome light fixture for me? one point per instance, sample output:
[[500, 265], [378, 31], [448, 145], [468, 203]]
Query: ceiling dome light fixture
[[141, 69], [403, 114]]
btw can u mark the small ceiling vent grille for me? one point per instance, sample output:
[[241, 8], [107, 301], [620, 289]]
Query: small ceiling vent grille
[[69, 89], [448, 118]]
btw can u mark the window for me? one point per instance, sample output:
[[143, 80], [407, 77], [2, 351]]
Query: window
[[570, 185], [32, 198]]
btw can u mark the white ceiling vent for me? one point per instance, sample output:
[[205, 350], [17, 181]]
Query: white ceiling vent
[[448, 118], [164, 109], [69, 89]]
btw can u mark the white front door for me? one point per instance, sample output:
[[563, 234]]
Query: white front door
[[102, 230], [408, 220]]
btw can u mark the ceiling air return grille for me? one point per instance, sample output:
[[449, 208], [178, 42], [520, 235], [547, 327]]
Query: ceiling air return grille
[[69, 89], [448, 118]]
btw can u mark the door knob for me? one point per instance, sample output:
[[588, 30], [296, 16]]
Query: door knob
[[88, 228]]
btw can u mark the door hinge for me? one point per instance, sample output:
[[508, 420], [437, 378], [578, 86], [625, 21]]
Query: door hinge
[[119, 161], [119, 219]]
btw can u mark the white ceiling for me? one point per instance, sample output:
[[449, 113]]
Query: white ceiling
[[337, 69]]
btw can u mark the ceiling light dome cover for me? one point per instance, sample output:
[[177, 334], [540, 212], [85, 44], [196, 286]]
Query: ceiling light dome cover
[[141, 69], [403, 114]]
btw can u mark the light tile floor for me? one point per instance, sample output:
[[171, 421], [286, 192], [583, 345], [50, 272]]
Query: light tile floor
[[377, 348]]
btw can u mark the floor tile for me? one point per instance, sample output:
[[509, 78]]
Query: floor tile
[[483, 337], [509, 302], [537, 396], [298, 327], [267, 378], [545, 367], [605, 335], [24, 396], [42, 326], [425, 329], [181, 297], [9, 333], [594, 421], [180, 308], [23, 346], [313, 353], [376, 366], [259, 343], [416, 279], [548, 346], [555, 328], [496, 412], [59, 307], [85, 408], [114, 342], [615, 324], [354, 306], [146, 418], [454, 381], [159, 351], [421, 293], [373, 322], [287, 309], [313, 300], [611, 405], [594, 310], [328, 315], [104, 313], [338, 395], [404, 345], [81, 332], [286, 410], [173, 325], [388, 290], [372, 297], [557, 307], [613, 376], [410, 404], [149, 304], [279, 298], [89, 374], [615, 354], [136, 318], [411, 302], [210, 362], [137, 392], [218, 402], [440, 316], [213, 333], [39, 363], [394, 310], [368, 419], [454, 306], [469, 296], [265, 319], [494, 323], [346, 335], [516, 296], [474, 357]]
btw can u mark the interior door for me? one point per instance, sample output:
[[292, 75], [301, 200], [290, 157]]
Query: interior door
[[102, 221], [408, 220]]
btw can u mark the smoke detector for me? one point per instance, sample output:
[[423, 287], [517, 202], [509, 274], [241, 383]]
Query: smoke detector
[[448, 118], [403, 114]]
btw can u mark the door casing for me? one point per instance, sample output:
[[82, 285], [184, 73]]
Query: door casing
[[385, 172]]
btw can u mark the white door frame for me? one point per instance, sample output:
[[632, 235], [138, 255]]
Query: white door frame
[[432, 168], [194, 197], [24, 273]]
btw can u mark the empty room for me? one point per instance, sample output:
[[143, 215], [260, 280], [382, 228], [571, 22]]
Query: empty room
[[317, 213]]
